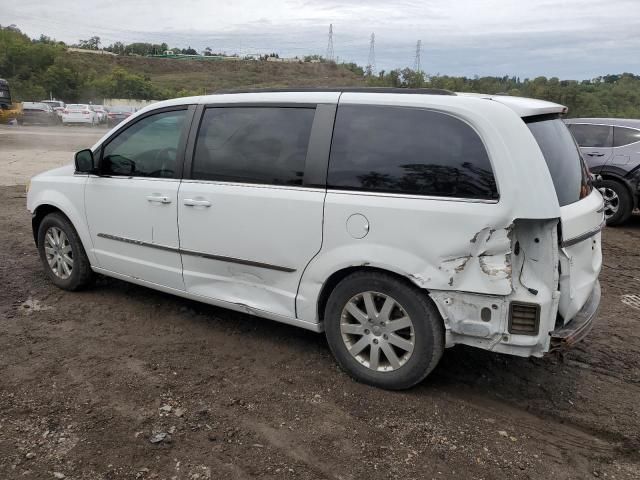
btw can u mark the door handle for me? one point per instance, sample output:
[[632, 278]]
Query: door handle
[[158, 198], [191, 202], [596, 154]]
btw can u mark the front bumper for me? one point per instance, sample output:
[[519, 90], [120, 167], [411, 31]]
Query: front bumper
[[568, 335]]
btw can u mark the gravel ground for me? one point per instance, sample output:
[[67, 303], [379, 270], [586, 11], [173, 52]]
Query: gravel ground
[[120, 381]]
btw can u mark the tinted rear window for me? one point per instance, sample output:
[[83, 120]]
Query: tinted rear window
[[594, 136], [569, 174], [408, 150], [253, 144], [625, 136]]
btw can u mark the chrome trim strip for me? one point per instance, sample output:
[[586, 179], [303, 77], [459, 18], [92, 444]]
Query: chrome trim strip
[[240, 261], [193, 253], [412, 196], [584, 236]]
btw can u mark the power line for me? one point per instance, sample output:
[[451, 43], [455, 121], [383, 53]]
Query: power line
[[371, 62], [330, 54], [416, 65]]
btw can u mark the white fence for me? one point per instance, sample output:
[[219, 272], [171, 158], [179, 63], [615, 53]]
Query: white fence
[[137, 104]]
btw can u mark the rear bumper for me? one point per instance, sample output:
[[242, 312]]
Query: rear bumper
[[76, 120], [568, 335]]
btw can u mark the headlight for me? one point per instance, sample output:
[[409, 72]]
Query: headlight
[[27, 187]]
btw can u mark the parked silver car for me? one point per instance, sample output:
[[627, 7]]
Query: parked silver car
[[611, 149]]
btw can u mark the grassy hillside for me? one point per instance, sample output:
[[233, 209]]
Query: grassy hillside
[[198, 76]]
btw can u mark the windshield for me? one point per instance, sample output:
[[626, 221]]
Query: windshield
[[567, 169]]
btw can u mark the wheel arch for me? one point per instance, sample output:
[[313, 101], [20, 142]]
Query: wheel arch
[[41, 207], [39, 213], [336, 277]]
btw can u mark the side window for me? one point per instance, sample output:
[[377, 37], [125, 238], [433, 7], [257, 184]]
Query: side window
[[408, 150], [148, 148], [596, 136], [265, 145], [624, 136]]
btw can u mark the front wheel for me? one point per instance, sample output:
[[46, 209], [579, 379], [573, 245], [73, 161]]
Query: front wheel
[[62, 253], [618, 204], [383, 331]]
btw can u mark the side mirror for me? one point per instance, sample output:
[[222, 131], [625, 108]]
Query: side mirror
[[84, 161]]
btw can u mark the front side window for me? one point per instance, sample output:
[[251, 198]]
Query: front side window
[[625, 136], [408, 150], [148, 148], [266, 145], [592, 136]]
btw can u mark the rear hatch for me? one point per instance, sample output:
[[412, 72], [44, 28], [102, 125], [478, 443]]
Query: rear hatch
[[78, 111], [581, 212]]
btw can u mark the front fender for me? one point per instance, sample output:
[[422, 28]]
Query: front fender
[[65, 193]]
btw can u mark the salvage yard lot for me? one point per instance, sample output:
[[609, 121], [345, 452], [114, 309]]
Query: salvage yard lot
[[88, 379]]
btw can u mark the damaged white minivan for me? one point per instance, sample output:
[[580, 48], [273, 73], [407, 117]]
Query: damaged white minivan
[[397, 222]]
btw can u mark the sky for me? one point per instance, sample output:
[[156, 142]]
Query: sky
[[569, 39]]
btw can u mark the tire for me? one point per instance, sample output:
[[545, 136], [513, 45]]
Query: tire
[[344, 331], [80, 274], [618, 201]]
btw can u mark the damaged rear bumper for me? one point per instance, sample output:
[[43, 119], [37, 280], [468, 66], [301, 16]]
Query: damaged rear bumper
[[568, 335]]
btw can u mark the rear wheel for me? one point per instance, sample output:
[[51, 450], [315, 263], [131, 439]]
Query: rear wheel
[[618, 203], [62, 253], [383, 331]]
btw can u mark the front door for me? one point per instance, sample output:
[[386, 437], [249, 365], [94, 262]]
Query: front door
[[132, 205], [248, 224]]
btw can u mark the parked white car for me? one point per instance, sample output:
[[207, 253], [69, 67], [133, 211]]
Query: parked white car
[[101, 112], [79, 113], [398, 223]]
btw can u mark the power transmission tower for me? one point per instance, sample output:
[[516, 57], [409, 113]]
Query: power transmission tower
[[329, 56], [416, 66], [371, 62]]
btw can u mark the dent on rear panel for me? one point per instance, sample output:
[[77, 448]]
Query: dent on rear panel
[[482, 263], [481, 319]]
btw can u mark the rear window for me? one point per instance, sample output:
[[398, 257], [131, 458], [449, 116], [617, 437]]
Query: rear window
[[625, 136], [77, 107], [567, 169], [409, 151], [592, 136], [265, 145]]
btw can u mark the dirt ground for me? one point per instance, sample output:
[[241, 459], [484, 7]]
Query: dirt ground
[[88, 379], [28, 150]]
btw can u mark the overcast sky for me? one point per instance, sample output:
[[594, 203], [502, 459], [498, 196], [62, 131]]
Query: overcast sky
[[565, 38]]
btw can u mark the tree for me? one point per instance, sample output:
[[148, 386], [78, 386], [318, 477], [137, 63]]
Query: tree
[[92, 43]]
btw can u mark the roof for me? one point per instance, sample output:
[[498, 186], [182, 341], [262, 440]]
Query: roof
[[525, 107], [619, 122], [417, 91]]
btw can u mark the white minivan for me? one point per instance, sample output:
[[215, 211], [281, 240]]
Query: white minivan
[[399, 222]]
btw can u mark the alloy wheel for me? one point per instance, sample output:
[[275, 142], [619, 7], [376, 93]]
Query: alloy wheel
[[377, 331], [611, 201], [58, 252]]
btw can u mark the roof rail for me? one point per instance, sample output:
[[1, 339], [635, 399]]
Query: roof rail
[[420, 91]]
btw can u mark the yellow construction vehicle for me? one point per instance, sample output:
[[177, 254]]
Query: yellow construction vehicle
[[9, 111]]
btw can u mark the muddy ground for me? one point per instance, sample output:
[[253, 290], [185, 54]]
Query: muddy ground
[[88, 379]]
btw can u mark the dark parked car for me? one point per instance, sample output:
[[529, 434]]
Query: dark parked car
[[118, 113], [611, 148], [38, 113]]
